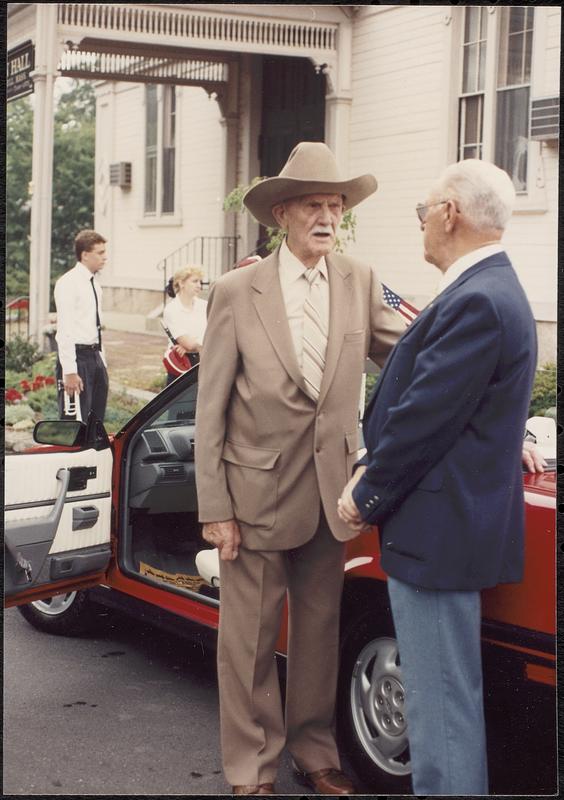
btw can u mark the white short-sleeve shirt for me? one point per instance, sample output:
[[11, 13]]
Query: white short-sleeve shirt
[[182, 321]]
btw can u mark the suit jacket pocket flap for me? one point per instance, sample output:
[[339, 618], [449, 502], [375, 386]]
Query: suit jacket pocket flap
[[352, 442], [245, 455], [355, 336]]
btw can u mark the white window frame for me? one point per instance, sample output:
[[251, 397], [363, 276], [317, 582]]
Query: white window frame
[[158, 218], [533, 199]]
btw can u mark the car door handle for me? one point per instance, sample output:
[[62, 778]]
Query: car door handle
[[84, 517], [41, 529]]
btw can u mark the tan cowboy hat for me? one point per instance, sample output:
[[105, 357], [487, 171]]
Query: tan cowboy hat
[[311, 168]]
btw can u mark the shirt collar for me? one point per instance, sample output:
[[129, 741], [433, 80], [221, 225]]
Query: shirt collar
[[291, 266], [84, 271], [466, 261]]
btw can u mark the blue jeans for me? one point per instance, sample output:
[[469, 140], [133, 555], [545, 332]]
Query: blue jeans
[[438, 636]]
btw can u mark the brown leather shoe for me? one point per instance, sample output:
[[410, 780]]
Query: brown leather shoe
[[262, 788], [326, 781]]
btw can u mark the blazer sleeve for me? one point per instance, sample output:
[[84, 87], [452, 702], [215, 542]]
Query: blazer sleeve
[[217, 371], [386, 324], [452, 369]]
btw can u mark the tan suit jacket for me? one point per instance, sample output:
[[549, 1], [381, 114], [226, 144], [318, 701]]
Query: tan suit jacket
[[266, 454]]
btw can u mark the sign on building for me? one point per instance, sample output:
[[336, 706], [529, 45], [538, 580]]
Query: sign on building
[[20, 64]]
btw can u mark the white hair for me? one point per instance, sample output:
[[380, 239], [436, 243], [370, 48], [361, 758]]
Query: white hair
[[483, 192]]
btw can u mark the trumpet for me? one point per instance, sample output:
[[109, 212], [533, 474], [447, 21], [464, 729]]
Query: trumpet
[[71, 404]]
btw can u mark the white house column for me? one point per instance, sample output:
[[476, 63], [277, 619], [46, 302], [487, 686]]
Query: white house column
[[229, 105], [42, 168], [338, 100]]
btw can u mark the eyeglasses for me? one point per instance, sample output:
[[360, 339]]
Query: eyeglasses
[[421, 209]]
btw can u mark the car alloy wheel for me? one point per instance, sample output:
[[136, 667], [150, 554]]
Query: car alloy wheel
[[56, 605], [63, 614], [377, 700]]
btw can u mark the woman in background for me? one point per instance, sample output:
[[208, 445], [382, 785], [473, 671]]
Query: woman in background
[[185, 317]]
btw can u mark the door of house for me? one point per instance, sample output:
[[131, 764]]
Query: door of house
[[293, 110]]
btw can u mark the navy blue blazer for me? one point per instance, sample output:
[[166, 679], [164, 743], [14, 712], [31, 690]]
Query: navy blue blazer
[[444, 432]]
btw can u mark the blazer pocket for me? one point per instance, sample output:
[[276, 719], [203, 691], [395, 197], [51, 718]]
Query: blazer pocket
[[252, 479], [246, 455], [433, 480], [355, 336]]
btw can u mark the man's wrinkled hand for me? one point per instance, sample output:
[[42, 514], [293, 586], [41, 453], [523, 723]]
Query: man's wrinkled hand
[[226, 536], [346, 506], [532, 457]]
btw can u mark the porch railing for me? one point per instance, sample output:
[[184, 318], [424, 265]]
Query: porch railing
[[216, 254]]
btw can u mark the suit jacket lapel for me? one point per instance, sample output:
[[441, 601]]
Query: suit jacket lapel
[[269, 303], [340, 287]]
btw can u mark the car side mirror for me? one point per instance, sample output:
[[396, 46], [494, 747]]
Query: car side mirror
[[64, 432]]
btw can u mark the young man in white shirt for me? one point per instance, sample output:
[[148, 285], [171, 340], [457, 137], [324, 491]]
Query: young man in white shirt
[[81, 366]]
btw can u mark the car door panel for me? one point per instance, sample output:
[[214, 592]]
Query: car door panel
[[57, 516]]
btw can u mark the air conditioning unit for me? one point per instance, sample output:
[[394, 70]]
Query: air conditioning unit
[[120, 174], [545, 118]]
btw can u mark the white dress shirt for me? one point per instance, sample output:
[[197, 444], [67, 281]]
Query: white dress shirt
[[295, 289], [182, 321], [76, 314], [465, 262]]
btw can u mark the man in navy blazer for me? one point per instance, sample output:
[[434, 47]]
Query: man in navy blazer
[[442, 476]]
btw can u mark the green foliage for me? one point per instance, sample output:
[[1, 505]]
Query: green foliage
[[371, 380], [121, 407], [73, 174], [43, 399], [543, 396], [157, 384], [19, 134], [73, 182], [13, 377], [17, 413], [234, 202], [45, 366], [20, 354]]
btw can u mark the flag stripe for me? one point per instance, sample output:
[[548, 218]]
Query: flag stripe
[[392, 299]]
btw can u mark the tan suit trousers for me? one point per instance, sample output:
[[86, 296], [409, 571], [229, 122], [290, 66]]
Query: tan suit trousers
[[253, 590]]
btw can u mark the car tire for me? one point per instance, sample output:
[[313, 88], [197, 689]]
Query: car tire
[[372, 725], [64, 614]]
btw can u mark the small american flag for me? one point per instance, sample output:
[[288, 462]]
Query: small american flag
[[395, 301]]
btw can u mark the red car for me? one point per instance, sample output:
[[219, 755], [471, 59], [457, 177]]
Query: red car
[[92, 521]]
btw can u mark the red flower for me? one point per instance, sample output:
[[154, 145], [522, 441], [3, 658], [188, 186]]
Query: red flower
[[13, 396], [49, 381], [37, 385], [25, 386]]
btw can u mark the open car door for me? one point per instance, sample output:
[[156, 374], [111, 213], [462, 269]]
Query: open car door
[[57, 512]]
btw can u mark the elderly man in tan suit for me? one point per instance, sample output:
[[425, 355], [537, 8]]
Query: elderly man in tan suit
[[276, 439]]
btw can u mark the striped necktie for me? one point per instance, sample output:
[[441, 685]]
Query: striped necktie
[[314, 335]]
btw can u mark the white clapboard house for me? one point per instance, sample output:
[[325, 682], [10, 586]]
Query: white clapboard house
[[195, 99]]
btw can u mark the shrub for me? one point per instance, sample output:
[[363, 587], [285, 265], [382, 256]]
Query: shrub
[[543, 396], [38, 398], [120, 409], [17, 413], [20, 354], [157, 384]]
